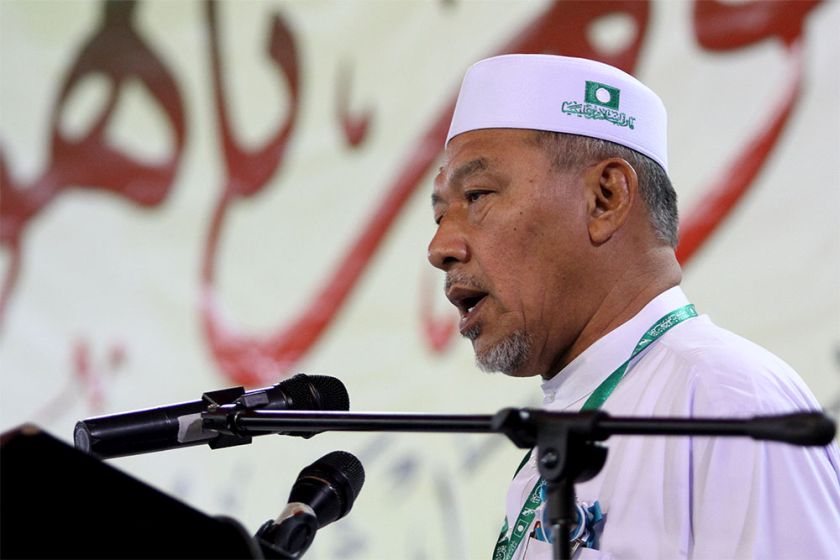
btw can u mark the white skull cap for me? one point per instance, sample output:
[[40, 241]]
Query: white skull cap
[[562, 94]]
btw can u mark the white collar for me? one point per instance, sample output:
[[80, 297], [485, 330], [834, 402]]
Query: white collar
[[581, 377]]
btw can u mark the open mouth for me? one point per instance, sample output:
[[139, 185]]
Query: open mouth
[[468, 301], [469, 304]]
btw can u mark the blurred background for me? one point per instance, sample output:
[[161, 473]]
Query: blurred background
[[197, 195]]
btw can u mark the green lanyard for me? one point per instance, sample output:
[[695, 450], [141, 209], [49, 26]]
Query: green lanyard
[[506, 546]]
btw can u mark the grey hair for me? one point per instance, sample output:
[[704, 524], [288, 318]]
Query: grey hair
[[569, 151]]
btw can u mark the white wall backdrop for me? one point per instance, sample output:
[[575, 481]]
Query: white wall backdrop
[[151, 252]]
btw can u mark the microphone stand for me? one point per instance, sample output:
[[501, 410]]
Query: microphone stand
[[568, 451]]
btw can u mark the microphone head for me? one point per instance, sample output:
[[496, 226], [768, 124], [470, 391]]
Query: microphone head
[[329, 486], [310, 392], [313, 392], [329, 393]]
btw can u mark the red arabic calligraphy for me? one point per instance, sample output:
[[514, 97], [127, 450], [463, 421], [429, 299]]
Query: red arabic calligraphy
[[117, 51], [244, 359], [355, 127], [720, 27]]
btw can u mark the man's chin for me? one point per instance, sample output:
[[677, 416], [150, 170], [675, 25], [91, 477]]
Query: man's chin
[[508, 356]]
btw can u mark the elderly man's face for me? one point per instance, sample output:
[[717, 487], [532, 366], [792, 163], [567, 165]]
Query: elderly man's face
[[512, 239]]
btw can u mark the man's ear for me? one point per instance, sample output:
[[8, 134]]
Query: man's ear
[[611, 185]]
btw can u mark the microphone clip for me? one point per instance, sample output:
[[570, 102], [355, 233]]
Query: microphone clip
[[221, 404]]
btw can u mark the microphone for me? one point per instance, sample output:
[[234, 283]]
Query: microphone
[[323, 492], [181, 425]]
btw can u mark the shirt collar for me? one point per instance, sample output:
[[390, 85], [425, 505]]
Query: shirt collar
[[581, 377]]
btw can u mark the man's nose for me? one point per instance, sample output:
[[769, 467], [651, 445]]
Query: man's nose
[[448, 246]]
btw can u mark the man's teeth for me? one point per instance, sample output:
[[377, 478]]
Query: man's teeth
[[469, 309]]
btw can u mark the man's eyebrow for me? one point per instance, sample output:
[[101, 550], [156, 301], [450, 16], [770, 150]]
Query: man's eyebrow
[[462, 172], [466, 169]]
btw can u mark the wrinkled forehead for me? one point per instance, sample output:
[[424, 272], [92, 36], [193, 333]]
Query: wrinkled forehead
[[491, 155], [480, 151]]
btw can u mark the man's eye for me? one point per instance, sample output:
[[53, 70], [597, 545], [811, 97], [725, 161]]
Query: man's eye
[[472, 196]]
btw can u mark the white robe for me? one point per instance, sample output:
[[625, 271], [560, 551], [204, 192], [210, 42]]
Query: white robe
[[681, 497]]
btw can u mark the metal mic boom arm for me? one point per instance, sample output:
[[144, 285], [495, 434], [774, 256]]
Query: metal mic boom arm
[[568, 451], [521, 424]]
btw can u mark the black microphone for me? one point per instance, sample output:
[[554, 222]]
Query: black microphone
[[181, 425], [323, 492]]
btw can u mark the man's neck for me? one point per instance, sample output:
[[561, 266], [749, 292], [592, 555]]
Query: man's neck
[[621, 302]]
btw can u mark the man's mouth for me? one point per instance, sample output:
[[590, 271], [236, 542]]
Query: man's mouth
[[468, 301]]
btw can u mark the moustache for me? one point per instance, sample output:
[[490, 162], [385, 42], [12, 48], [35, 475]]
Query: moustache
[[464, 280]]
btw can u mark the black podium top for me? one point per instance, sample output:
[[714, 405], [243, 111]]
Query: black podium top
[[57, 502]]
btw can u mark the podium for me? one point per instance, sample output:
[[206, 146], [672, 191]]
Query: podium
[[57, 502]]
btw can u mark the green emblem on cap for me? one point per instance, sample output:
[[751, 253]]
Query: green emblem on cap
[[600, 103], [602, 94]]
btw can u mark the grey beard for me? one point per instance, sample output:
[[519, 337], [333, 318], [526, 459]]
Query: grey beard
[[507, 357]]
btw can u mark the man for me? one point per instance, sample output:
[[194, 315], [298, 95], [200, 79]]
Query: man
[[556, 229]]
